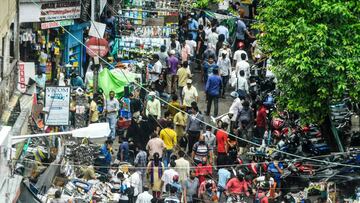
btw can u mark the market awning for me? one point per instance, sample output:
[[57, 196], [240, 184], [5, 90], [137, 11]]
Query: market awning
[[115, 80]]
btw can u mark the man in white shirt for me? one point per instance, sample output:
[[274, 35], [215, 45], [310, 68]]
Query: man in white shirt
[[168, 175], [135, 181], [192, 44], [189, 93], [224, 64], [210, 138], [155, 69], [213, 37], [237, 54], [153, 106], [235, 108], [223, 30], [241, 83], [243, 65], [225, 49], [144, 197], [262, 179]]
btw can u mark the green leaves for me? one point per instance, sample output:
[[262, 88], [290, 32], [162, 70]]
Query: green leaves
[[316, 50]]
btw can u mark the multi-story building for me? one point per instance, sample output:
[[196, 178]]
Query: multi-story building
[[8, 52]]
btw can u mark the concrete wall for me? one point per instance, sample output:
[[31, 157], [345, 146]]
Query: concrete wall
[[8, 69], [7, 15]]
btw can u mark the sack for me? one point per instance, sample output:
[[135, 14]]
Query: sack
[[183, 142], [245, 115], [241, 93], [130, 191]]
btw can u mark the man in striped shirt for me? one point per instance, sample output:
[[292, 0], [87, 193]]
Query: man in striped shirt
[[200, 150]]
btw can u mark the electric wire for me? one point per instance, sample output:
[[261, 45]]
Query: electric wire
[[160, 99]]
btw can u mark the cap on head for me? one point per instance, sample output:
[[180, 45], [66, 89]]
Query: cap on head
[[234, 94], [188, 81], [152, 93], [172, 52]]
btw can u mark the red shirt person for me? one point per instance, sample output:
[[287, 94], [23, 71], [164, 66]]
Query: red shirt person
[[203, 169], [221, 142], [261, 121], [237, 186]]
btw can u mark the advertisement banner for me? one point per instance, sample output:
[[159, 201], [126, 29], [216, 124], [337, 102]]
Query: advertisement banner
[[26, 71], [57, 105], [60, 11], [54, 24]]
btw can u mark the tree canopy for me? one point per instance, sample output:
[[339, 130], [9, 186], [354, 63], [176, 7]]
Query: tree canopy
[[315, 45]]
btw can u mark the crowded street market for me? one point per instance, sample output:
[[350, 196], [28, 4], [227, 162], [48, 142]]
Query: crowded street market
[[177, 101]]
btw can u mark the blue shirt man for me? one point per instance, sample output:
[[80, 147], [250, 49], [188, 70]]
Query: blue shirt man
[[276, 169], [213, 87], [193, 26], [105, 150], [208, 68], [213, 84]]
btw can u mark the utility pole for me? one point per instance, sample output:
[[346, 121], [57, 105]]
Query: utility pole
[[96, 58], [17, 32]]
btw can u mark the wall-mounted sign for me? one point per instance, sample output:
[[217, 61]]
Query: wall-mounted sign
[[96, 46], [54, 24], [26, 71], [57, 105], [60, 10]]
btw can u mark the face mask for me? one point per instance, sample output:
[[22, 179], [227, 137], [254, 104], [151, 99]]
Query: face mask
[[203, 163], [192, 178], [202, 142]]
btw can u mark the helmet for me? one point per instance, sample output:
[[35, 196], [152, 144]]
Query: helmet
[[269, 101], [277, 123], [277, 133], [241, 45]]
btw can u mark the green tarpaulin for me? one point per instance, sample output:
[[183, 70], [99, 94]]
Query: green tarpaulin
[[114, 80]]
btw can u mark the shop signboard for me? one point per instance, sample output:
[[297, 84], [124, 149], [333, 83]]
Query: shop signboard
[[97, 29], [60, 10], [97, 46], [26, 71], [54, 24], [57, 105]]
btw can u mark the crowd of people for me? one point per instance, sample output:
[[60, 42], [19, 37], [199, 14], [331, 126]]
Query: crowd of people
[[177, 155]]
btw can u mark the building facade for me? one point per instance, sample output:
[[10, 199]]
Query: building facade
[[8, 51]]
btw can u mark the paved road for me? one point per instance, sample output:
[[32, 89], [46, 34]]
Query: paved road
[[224, 104]]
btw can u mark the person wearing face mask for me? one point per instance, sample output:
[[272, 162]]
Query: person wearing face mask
[[210, 138], [225, 49], [191, 187], [224, 64], [112, 108], [153, 109], [201, 150], [189, 94]]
